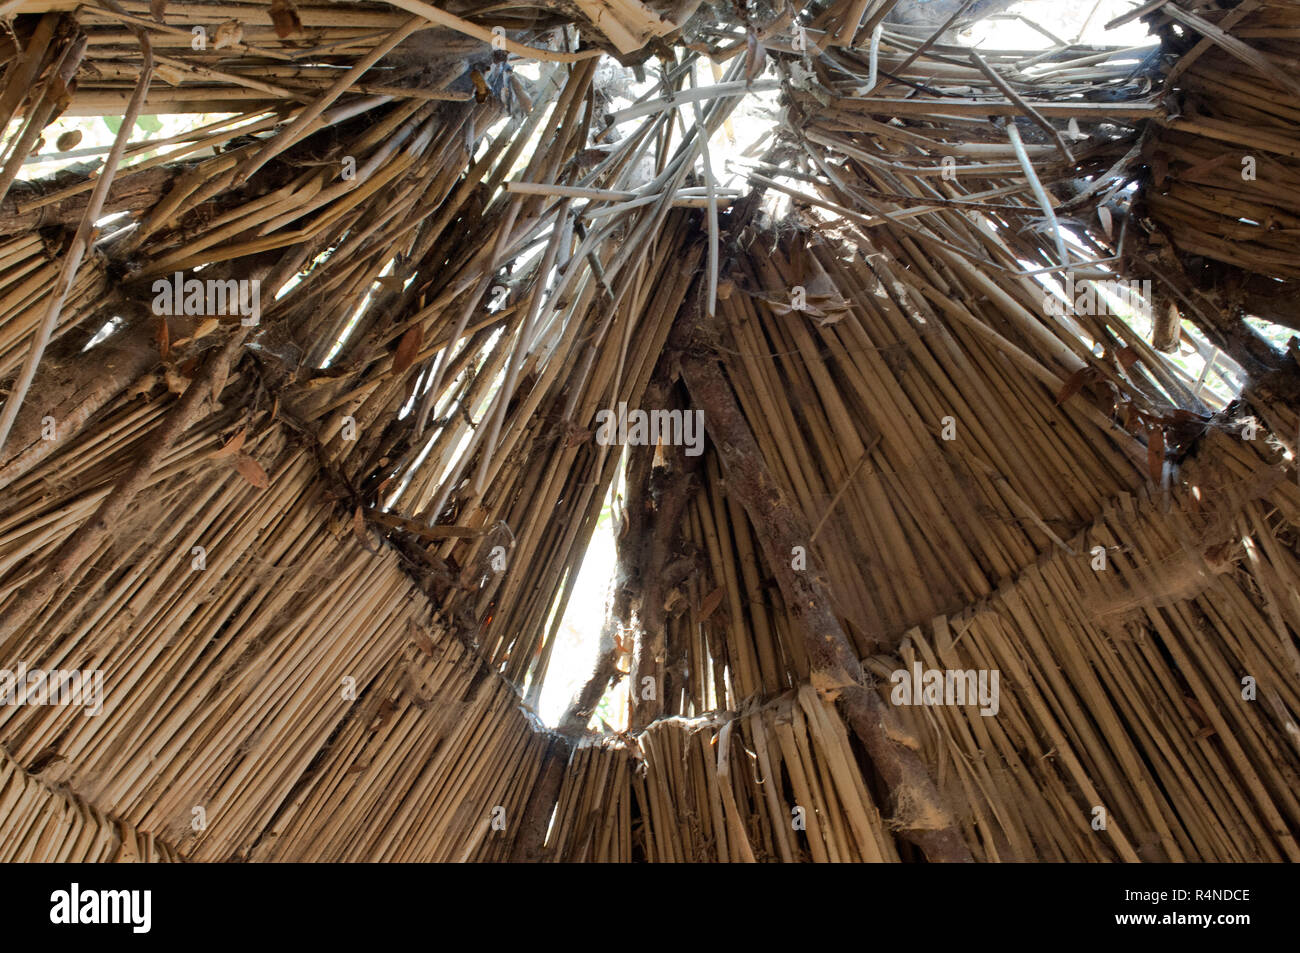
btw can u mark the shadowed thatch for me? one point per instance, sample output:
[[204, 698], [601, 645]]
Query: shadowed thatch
[[322, 557]]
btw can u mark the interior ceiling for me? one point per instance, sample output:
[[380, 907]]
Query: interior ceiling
[[321, 560]]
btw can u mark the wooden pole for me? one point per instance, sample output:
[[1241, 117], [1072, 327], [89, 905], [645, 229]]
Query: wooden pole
[[836, 672]]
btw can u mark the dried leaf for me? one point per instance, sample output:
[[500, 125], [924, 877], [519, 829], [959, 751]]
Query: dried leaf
[[142, 386], [421, 640], [1132, 418], [408, 349], [205, 328], [285, 17], [230, 33], [1127, 357], [577, 437], [251, 471], [176, 381], [68, 140], [359, 527], [170, 75], [1073, 383], [233, 445], [385, 712], [163, 337], [481, 91], [59, 94], [157, 8]]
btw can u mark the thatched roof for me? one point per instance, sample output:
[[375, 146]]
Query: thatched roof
[[321, 560]]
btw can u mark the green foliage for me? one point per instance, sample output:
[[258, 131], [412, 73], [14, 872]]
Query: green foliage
[[149, 124]]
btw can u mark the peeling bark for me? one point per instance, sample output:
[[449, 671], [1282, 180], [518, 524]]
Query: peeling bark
[[529, 846], [920, 814]]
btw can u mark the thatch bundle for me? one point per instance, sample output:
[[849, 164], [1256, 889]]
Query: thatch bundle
[[322, 560]]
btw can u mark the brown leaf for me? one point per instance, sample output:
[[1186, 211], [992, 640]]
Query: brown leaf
[[176, 381], [408, 348], [1132, 418], [142, 386], [386, 710], [1155, 454], [1127, 357], [164, 337], [157, 8], [59, 94], [285, 17], [418, 636], [230, 33], [481, 91], [233, 445], [359, 527], [1073, 383], [710, 603], [251, 471], [170, 75], [577, 437], [206, 327], [68, 140]]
